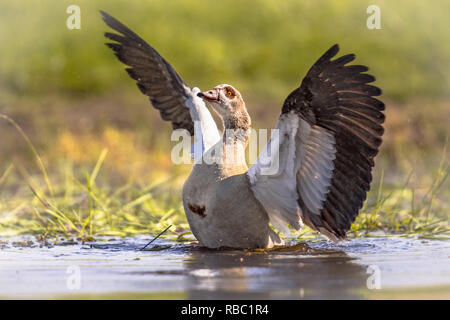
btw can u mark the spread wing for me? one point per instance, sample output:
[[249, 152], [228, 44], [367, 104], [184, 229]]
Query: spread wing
[[330, 130], [155, 77]]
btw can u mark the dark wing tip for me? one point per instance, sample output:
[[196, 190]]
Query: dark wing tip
[[333, 50], [113, 46], [106, 17], [330, 53], [109, 20], [114, 37], [345, 59], [118, 26]]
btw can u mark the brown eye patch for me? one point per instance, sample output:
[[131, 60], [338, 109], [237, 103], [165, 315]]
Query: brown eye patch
[[229, 92]]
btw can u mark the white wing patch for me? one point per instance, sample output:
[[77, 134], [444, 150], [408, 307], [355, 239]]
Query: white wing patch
[[277, 192], [316, 171], [305, 156], [206, 134]]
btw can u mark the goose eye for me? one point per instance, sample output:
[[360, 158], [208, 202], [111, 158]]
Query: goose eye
[[229, 93]]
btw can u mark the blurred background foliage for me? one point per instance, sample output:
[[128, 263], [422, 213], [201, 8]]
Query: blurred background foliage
[[73, 98], [264, 46]]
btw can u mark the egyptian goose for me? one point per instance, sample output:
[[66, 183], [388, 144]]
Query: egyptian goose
[[329, 132]]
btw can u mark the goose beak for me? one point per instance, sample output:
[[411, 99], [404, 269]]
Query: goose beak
[[211, 95]]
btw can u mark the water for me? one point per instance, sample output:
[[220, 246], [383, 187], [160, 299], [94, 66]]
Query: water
[[116, 268]]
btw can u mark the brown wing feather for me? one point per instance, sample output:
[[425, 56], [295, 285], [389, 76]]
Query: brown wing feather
[[338, 98], [155, 77]]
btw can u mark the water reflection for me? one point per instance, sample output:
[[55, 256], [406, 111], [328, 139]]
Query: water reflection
[[299, 272], [118, 268]]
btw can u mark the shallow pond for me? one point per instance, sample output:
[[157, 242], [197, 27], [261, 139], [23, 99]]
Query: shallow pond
[[116, 268]]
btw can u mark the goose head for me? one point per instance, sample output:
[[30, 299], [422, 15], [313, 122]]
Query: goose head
[[228, 103]]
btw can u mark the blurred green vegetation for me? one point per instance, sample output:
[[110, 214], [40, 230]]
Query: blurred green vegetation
[[263, 47], [70, 207]]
